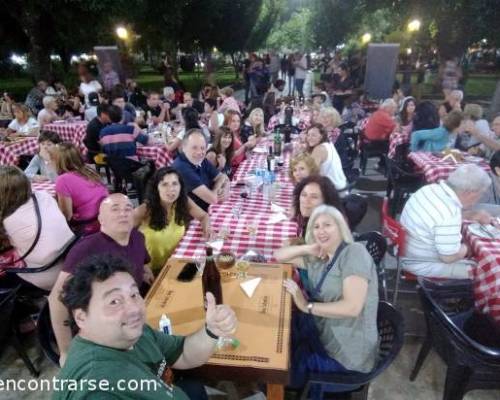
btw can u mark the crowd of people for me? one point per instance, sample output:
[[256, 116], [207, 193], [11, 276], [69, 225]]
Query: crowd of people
[[122, 246]]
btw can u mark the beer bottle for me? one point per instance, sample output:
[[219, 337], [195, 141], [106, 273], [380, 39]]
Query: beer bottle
[[270, 160], [277, 143], [210, 279]]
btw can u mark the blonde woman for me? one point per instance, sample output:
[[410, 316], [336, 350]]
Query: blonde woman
[[335, 329], [302, 166], [48, 113], [330, 118], [253, 126], [23, 123]]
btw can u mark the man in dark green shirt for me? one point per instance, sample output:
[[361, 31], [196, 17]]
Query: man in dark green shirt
[[115, 355]]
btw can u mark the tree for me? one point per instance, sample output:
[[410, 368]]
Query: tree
[[59, 26], [294, 33]]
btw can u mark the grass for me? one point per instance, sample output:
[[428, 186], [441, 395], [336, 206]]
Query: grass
[[478, 85]]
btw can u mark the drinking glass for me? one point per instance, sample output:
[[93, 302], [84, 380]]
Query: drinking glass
[[200, 264], [236, 210], [252, 229], [242, 268]]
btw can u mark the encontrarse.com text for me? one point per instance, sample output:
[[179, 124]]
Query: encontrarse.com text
[[75, 385]]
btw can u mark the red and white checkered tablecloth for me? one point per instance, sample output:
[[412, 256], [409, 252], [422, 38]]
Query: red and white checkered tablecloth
[[73, 132], [46, 186], [486, 275], [254, 210], [434, 168], [159, 154], [397, 138], [9, 153]]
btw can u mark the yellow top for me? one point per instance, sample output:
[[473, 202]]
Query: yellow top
[[161, 244]]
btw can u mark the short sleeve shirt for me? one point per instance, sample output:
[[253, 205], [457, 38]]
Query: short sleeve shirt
[[351, 341], [124, 371], [100, 243], [195, 176]]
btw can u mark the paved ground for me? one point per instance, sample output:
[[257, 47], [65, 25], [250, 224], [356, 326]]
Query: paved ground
[[392, 384]]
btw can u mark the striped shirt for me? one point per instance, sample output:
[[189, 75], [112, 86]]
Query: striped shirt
[[120, 140], [432, 218]]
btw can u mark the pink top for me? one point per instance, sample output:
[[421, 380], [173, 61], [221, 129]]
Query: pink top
[[229, 103], [86, 195], [21, 227]]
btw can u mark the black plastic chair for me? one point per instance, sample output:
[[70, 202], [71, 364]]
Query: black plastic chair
[[371, 149], [401, 183], [9, 334], [376, 245], [391, 331], [356, 207], [470, 365], [46, 336]]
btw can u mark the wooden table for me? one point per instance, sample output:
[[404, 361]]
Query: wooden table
[[263, 322]]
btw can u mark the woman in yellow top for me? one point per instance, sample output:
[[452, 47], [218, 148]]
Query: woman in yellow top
[[165, 215]]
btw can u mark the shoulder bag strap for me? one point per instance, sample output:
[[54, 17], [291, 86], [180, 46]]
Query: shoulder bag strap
[[37, 236], [328, 268]]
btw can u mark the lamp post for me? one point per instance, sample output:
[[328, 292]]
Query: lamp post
[[122, 33]]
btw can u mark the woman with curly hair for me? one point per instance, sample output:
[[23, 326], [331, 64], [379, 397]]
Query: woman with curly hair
[[165, 215], [253, 126], [302, 166]]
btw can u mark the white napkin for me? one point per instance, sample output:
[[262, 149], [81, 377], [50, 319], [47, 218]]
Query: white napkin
[[250, 286], [275, 218], [216, 244], [277, 209], [260, 150]]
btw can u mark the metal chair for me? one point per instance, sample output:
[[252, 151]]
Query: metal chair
[[391, 332], [376, 245], [46, 336], [470, 365]]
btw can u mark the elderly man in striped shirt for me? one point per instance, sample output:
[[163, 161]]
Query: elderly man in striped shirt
[[433, 218]]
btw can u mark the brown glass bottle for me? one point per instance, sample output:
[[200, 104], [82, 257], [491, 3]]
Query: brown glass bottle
[[210, 279]]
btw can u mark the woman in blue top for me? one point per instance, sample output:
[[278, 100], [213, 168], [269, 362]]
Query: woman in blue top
[[435, 140]]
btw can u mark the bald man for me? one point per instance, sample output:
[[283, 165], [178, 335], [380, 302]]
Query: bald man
[[118, 237]]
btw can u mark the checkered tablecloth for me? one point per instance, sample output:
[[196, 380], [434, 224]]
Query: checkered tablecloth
[[159, 154], [73, 132], [9, 153], [486, 275], [254, 210], [434, 168], [397, 138], [44, 187]]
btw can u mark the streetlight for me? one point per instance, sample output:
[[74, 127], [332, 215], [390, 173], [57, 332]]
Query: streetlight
[[414, 25], [366, 38], [122, 33]]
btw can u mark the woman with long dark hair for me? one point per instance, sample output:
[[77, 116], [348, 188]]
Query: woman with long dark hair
[[19, 225], [220, 154], [165, 215]]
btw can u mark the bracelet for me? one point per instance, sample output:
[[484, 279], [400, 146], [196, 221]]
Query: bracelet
[[210, 333]]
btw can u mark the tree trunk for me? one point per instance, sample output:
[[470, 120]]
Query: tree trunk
[[39, 58], [235, 66]]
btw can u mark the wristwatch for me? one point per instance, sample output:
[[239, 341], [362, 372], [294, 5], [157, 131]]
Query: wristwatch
[[210, 333], [310, 307]]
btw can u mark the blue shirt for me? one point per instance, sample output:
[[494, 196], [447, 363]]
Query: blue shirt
[[120, 140], [431, 140], [195, 176]]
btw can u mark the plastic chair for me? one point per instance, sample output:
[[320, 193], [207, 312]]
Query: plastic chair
[[9, 333], [355, 207], [376, 245], [470, 365], [390, 327], [395, 234], [46, 336], [371, 149], [401, 182]]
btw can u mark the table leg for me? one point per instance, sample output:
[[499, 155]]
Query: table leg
[[275, 392]]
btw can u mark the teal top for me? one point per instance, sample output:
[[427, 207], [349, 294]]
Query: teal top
[[431, 140]]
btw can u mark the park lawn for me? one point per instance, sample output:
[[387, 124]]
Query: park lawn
[[478, 85]]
